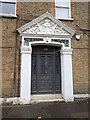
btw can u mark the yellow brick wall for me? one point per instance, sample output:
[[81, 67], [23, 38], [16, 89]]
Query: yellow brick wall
[[28, 12]]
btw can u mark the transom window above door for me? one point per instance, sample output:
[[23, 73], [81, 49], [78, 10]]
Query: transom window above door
[[63, 9], [8, 7]]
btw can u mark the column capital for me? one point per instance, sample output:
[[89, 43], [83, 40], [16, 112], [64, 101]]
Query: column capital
[[26, 50], [66, 51]]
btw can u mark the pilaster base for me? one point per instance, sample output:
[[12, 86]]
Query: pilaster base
[[68, 98], [24, 101]]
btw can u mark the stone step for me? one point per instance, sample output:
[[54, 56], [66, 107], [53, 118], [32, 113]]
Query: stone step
[[46, 98]]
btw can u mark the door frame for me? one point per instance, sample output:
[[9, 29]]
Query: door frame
[[66, 65]]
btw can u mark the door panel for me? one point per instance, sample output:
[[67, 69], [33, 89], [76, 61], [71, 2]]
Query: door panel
[[50, 71], [45, 73], [57, 73], [42, 66], [34, 73], [41, 74]]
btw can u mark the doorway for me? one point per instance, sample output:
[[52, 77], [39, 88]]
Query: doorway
[[46, 70]]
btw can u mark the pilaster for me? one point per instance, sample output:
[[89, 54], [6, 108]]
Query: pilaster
[[67, 77], [25, 89]]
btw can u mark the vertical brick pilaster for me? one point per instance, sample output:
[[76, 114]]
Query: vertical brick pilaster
[[53, 7], [71, 9], [17, 7]]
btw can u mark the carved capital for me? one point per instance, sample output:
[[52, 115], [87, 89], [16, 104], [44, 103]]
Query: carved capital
[[66, 51], [27, 50]]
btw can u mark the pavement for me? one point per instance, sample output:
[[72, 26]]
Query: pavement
[[47, 110]]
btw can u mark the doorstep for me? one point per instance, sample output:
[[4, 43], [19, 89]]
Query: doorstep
[[46, 98]]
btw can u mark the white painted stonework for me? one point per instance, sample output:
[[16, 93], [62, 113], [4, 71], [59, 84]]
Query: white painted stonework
[[40, 98], [46, 27], [50, 31], [67, 78], [26, 75]]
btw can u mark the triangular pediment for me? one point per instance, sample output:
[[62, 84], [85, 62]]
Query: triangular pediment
[[46, 24]]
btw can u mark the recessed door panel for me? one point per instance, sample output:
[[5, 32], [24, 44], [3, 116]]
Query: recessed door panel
[[57, 73], [45, 73], [34, 73]]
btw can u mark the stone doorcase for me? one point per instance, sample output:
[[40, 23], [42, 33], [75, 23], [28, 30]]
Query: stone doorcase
[[46, 30]]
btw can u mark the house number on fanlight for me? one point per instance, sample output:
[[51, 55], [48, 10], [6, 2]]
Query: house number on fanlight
[[46, 49]]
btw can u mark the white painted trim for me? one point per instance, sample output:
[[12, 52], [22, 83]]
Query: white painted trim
[[14, 1], [44, 42], [67, 76], [18, 100], [26, 50], [81, 96], [8, 15], [66, 57], [45, 35], [41, 18], [66, 61], [25, 89], [69, 19], [70, 9]]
